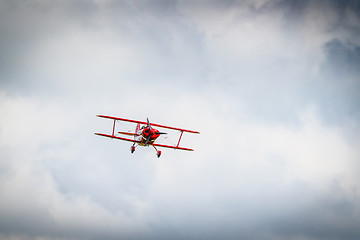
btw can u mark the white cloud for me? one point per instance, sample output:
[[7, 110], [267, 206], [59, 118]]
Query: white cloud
[[237, 163], [33, 134]]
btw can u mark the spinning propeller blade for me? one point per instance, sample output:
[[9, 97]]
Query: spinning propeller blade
[[147, 140], [148, 123], [150, 135]]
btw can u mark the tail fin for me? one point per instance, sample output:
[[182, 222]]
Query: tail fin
[[137, 129]]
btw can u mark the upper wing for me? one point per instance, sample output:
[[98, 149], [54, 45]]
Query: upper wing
[[174, 147], [120, 138], [152, 124]]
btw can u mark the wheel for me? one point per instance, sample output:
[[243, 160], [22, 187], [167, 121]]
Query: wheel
[[158, 154], [132, 149]]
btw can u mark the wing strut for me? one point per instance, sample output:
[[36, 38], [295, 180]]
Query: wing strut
[[180, 138], [113, 128]]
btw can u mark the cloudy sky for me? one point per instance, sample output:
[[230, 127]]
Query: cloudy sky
[[272, 85]]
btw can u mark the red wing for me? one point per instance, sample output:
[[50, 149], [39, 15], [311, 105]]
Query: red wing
[[174, 147], [122, 119], [152, 124], [156, 145], [173, 128], [120, 138]]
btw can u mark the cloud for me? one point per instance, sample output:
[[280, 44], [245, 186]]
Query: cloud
[[271, 85], [339, 86], [342, 58], [33, 202], [218, 190]]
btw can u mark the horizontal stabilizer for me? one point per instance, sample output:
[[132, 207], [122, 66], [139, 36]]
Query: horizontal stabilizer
[[128, 133], [120, 138]]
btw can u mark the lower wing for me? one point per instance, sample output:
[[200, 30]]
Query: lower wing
[[173, 147], [154, 144]]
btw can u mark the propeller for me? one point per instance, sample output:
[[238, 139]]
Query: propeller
[[161, 133], [151, 132], [148, 138], [149, 124]]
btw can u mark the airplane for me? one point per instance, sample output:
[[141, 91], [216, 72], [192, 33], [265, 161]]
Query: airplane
[[145, 134]]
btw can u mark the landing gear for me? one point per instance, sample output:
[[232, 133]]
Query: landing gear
[[158, 153], [132, 148]]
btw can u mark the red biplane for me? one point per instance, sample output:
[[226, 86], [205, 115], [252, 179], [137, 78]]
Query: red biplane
[[145, 134]]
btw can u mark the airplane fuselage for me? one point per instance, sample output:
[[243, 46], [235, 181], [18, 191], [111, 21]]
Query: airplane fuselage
[[143, 134]]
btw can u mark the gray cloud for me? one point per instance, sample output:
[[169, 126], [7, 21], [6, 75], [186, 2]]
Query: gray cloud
[[343, 60], [340, 86]]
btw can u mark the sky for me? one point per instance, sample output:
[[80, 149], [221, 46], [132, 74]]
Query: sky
[[272, 85]]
